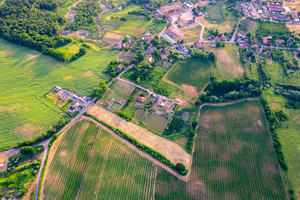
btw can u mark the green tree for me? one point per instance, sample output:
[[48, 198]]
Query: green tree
[[27, 151]]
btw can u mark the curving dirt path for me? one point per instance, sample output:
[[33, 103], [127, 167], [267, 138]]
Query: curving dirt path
[[71, 13]]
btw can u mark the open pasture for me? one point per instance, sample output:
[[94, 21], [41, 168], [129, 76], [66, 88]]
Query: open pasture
[[234, 158], [134, 25], [215, 12], [28, 75], [193, 72], [228, 63], [90, 164]]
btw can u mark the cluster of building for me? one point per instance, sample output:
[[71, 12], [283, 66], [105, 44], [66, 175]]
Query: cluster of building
[[170, 36], [78, 100], [274, 11]]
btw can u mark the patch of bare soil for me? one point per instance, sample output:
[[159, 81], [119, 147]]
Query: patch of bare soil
[[9, 52], [258, 122], [296, 118], [3, 109], [31, 56], [63, 153], [274, 105], [28, 129], [89, 73], [219, 174], [68, 77], [191, 90], [268, 167]]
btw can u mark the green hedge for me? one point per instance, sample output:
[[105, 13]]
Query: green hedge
[[274, 124], [139, 145]]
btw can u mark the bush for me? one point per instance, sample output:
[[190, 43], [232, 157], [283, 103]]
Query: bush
[[194, 124], [27, 151], [177, 124], [123, 115]]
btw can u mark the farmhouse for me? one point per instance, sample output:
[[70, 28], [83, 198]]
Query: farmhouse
[[188, 4], [171, 33], [168, 38], [199, 45], [150, 59], [280, 42], [266, 40]]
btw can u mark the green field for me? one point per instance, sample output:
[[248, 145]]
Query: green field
[[234, 158], [97, 166], [289, 136], [27, 76], [215, 12], [134, 25], [193, 72]]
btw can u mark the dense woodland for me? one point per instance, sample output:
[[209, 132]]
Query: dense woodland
[[33, 24]]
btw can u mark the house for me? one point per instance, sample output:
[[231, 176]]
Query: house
[[245, 45], [253, 41], [57, 89], [198, 12], [219, 38], [150, 59], [199, 45], [188, 4], [123, 45], [171, 33], [279, 42], [120, 8], [167, 37], [71, 109], [266, 40], [213, 44], [180, 48], [141, 99]]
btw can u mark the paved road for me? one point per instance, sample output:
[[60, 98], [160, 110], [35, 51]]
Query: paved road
[[40, 172], [148, 91], [46, 143], [122, 72]]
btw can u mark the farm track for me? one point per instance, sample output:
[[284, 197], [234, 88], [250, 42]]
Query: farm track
[[145, 155]]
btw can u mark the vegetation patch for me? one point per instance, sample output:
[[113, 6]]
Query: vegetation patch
[[194, 72]]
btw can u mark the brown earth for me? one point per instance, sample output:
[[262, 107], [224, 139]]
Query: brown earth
[[28, 129], [191, 90]]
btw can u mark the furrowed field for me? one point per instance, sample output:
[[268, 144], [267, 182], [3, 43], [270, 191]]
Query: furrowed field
[[234, 158], [26, 76], [90, 164]]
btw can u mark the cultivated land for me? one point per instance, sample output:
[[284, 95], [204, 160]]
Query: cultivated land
[[89, 163], [234, 158], [195, 72], [28, 75], [169, 149]]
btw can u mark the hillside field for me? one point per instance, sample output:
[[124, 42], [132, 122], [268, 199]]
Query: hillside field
[[234, 158], [193, 72], [90, 164], [26, 76]]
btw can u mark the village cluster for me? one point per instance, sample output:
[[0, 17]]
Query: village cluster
[[273, 11]]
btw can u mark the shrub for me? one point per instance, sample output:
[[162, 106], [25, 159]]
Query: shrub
[[27, 151], [123, 115]]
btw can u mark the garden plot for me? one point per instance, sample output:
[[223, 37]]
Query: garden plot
[[118, 95]]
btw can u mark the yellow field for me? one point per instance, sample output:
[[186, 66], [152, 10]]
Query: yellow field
[[294, 27], [170, 150]]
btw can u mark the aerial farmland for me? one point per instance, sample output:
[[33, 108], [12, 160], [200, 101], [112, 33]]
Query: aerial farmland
[[149, 100]]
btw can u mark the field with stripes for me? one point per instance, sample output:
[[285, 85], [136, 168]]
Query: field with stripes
[[234, 158], [90, 164], [27, 75]]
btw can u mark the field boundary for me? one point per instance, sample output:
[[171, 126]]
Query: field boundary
[[137, 150]]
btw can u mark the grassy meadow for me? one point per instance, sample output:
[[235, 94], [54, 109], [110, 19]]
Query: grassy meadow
[[193, 72], [97, 166], [234, 158], [134, 25], [27, 76], [228, 63]]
